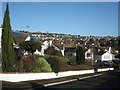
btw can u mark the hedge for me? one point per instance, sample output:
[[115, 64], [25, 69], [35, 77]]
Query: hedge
[[42, 65]]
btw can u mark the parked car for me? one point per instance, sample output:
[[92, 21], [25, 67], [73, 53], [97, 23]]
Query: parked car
[[116, 60], [107, 63]]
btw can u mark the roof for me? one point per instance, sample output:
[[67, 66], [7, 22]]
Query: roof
[[107, 53], [19, 39], [70, 49], [104, 47]]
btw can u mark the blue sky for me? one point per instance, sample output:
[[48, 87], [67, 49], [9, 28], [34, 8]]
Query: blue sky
[[79, 18]]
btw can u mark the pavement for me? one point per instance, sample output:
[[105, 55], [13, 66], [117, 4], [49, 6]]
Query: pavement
[[97, 80]]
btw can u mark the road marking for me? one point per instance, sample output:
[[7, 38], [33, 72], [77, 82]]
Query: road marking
[[68, 81], [61, 82], [90, 76]]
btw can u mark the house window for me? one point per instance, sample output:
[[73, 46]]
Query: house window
[[106, 57], [88, 54], [70, 54]]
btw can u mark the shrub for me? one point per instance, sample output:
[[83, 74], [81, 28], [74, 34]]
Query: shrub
[[61, 61], [42, 65], [72, 61], [54, 62], [28, 63]]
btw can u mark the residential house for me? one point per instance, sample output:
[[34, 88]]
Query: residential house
[[89, 55], [37, 52], [47, 46], [19, 39], [107, 56], [70, 52], [60, 46], [98, 52]]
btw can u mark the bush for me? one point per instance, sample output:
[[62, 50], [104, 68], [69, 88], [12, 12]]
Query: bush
[[72, 61], [42, 65], [97, 65], [28, 63], [54, 62]]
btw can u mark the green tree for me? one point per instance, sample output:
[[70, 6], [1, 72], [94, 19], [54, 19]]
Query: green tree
[[30, 46], [80, 55], [8, 55], [55, 64]]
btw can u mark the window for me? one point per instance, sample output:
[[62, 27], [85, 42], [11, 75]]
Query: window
[[106, 57], [88, 54]]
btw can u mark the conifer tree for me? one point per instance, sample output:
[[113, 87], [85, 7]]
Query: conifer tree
[[80, 55], [8, 55]]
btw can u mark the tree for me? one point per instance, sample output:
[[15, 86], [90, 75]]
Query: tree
[[8, 55], [80, 55], [55, 64], [30, 46]]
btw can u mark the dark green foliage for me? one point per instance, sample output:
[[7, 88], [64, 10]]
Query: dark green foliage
[[97, 65], [8, 55], [30, 46], [64, 64], [42, 65], [18, 54], [80, 55], [72, 61], [54, 62], [32, 63]]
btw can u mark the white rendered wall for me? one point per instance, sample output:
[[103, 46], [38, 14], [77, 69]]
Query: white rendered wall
[[15, 77]]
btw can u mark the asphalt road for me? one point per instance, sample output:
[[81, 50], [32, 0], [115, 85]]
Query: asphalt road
[[106, 80]]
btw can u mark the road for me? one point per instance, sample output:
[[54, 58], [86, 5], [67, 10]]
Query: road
[[106, 80]]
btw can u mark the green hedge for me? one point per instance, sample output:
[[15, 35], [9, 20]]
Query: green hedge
[[72, 61], [42, 65], [54, 63]]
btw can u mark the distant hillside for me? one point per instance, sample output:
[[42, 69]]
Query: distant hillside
[[16, 33]]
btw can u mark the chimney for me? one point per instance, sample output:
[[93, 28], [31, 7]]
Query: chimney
[[50, 42]]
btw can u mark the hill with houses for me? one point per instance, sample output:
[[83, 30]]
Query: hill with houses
[[62, 48], [95, 46]]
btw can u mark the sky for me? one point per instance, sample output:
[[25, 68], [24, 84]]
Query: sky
[[76, 18]]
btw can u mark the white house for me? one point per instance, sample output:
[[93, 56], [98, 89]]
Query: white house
[[46, 44], [70, 52], [26, 53], [108, 56], [37, 52], [44, 47], [28, 38], [89, 54]]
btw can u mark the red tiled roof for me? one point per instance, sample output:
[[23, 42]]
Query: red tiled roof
[[19, 39]]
